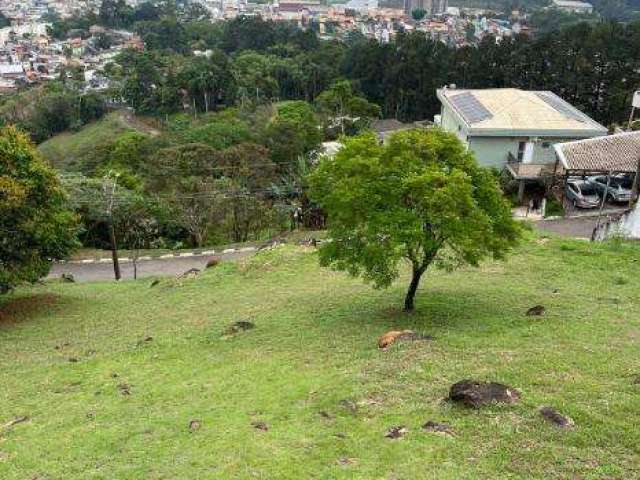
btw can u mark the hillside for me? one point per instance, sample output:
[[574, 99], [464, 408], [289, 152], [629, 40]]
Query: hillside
[[65, 150], [130, 381]]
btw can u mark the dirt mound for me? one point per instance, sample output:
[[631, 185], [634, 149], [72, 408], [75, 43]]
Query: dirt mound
[[473, 393]]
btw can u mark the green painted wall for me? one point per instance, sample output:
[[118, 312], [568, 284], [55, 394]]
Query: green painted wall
[[493, 151]]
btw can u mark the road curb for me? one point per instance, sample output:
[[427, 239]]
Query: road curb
[[205, 253]]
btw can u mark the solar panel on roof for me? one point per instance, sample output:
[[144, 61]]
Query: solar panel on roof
[[470, 108], [561, 106]]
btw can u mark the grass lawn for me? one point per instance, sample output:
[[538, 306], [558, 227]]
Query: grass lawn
[[314, 349]]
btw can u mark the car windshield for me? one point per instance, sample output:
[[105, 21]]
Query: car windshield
[[587, 190], [623, 182]]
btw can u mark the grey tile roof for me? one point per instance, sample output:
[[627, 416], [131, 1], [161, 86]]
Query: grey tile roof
[[615, 153]]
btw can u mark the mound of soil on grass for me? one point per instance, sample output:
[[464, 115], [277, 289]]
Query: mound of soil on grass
[[239, 326], [536, 311], [394, 336], [475, 394], [556, 418]]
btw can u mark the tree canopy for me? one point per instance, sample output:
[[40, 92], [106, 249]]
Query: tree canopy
[[35, 227], [420, 198]]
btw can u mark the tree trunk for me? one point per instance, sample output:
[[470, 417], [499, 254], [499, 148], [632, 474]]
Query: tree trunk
[[413, 287], [114, 251]]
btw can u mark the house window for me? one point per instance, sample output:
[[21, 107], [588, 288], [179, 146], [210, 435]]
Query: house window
[[546, 144]]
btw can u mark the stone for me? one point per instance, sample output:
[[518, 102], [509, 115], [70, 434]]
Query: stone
[[143, 341], [349, 404], [475, 394], [191, 273], [195, 425], [396, 432], [439, 428], [260, 426], [536, 311], [213, 262], [68, 278], [124, 389], [556, 418], [239, 326]]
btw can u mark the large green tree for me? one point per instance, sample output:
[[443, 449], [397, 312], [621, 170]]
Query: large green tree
[[345, 109], [35, 228], [420, 198], [292, 132]]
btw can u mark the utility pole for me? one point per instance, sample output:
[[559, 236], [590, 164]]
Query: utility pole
[[110, 193], [604, 199], [635, 103], [636, 186]]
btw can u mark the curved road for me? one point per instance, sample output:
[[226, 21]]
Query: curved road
[[102, 271], [580, 227]]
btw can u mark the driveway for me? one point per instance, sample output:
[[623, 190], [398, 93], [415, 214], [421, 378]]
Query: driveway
[[576, 227], [103, 271]]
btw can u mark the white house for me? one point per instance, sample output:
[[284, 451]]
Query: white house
[[508, 127]]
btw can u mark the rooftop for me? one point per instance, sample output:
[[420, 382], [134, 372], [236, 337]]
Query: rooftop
[[512, 112], [572, 4], [10, 68], [613, 153]]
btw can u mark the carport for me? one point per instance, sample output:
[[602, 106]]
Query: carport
[[608, 155]]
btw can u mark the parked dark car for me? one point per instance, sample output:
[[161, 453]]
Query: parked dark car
[[581, 193], [619, 189]]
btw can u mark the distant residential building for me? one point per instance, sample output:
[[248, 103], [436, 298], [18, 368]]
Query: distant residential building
[[384, 128], [432, 7], [573, 6], [11, 71]]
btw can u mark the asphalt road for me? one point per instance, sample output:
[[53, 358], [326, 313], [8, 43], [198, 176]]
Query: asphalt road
[[94, 272], [579, 227]]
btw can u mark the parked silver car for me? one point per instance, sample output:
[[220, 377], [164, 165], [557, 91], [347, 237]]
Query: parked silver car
[[581, 193], [619, 189]]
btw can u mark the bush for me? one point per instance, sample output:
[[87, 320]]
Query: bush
[[554, 208], [35, 227]]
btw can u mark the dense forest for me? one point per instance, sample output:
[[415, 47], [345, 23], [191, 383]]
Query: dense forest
[[241, 107]]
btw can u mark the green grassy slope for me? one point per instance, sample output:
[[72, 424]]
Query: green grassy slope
[[65, 150], [314, 346]]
